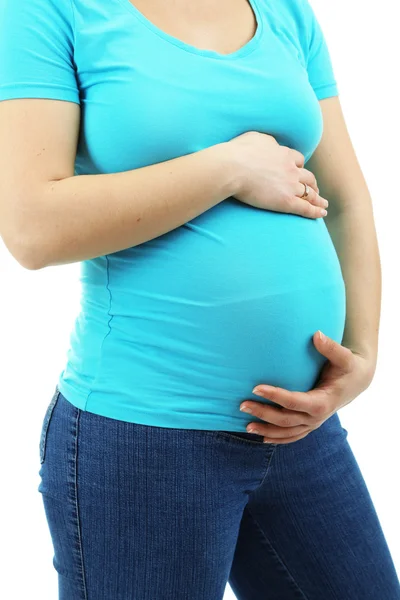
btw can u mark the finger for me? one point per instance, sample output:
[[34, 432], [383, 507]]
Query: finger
[[268, 440], [313, 196], [339, 355], [309, 178], [277, 433], [294, 401], [276, 416], [298, 157], [303, 208]]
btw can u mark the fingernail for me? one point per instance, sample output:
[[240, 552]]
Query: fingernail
[[324, 212], [251, 430], [326, 203], [246, 409], [322, 337]]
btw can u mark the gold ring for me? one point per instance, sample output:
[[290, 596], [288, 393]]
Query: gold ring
[[306, 191]]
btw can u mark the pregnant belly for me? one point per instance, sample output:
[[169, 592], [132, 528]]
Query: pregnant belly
[[229, 300]]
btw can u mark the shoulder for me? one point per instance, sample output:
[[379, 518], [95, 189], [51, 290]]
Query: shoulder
[[294, 12], [41, 9], [35, 20], [291, 18], [295, 18]]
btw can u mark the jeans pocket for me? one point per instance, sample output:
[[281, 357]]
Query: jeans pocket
[[45, 425], [241, 437]]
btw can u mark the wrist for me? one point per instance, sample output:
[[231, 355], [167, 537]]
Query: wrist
[[233, 174]]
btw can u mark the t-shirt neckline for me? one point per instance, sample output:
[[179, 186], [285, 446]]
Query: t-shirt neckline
[[242, 51]]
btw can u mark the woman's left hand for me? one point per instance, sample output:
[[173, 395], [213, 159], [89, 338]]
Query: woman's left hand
[[343, 377]]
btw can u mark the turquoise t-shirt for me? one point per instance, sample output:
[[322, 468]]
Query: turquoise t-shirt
[[176, 332]]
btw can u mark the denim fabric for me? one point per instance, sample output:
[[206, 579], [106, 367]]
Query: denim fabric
[[139, 512]]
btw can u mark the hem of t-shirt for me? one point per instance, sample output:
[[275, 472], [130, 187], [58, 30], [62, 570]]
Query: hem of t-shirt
[[156, 418], [326, 91], [32, 90]]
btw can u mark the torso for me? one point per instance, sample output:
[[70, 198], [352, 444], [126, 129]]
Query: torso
[[177, 331]]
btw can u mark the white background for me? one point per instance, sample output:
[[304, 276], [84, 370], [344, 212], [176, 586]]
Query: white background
[[38, 308]]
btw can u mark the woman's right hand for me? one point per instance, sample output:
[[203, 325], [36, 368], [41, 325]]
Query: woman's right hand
[[271, 176]]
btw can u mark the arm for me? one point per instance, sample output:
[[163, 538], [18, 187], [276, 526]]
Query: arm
[[350, 223], [49, 216]]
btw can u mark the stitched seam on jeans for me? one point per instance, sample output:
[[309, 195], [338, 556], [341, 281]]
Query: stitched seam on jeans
[[76, 503], [228, 436], [270, 458], [46, 424], [217, 433], [277, 555]]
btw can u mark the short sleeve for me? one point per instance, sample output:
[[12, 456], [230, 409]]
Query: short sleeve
[[36, 50], [319, 64]]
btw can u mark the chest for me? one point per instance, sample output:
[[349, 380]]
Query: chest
[[147, 96], [223, 26]]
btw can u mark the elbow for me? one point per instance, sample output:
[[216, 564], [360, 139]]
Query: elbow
[[30, 253], [31, 260], [20, 245], [22, 228]]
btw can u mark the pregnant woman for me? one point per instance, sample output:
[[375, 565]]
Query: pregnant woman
[[163, 146]]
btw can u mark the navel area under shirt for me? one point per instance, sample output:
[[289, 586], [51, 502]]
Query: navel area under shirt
[[177, 331]]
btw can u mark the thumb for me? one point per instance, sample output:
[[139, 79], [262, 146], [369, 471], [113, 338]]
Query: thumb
[[339, 355]]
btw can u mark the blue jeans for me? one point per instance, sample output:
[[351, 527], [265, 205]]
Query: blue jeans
[[139, 512]]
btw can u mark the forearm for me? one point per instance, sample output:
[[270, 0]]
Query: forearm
[[353, 233], [86, 216]]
